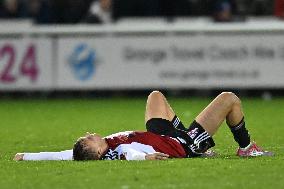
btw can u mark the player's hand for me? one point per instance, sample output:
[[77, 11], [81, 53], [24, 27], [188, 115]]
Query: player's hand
[[19, 157], [156, 156]]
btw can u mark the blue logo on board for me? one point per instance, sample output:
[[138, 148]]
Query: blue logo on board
[[83, 62]]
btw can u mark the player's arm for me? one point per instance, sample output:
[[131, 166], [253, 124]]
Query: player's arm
[[42, 156], [137, 151], [156, 156]]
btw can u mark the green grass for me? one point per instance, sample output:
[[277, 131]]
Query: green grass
[[52, 125]]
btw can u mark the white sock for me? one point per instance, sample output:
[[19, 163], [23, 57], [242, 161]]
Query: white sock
[[62, 155]]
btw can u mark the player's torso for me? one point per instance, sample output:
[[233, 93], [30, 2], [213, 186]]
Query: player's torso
[[159, 143]]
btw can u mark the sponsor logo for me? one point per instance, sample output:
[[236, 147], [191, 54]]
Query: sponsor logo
[[192, 134], [82, 62]]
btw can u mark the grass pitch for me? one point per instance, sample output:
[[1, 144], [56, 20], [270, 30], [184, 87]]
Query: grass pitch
[[53, 125]]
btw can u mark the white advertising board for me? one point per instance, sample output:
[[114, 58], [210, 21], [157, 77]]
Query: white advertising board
[[198, 61], [25, 64]]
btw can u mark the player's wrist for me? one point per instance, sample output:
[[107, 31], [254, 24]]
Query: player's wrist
[[156, 156]]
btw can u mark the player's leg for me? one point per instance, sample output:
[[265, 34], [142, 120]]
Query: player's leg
[[159, 112], [228, 106], [158, 107], [225, 106]]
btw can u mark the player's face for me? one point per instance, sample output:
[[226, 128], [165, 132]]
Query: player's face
[[95, 142]]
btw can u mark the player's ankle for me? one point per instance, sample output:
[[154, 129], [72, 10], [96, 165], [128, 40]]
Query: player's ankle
[[247, 147]]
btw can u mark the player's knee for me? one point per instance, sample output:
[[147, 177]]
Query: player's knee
[[230, 98], [156, 95]]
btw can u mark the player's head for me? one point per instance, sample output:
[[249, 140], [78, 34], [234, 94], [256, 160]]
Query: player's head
[[89, 147]]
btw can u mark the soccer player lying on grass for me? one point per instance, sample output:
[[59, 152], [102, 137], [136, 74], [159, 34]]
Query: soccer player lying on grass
[[166, 136]]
